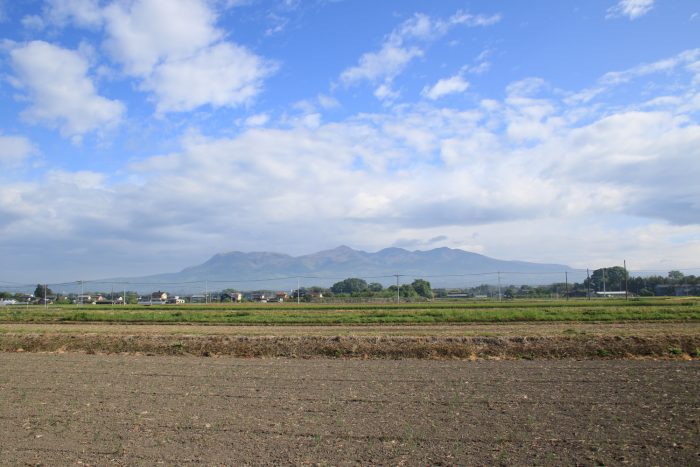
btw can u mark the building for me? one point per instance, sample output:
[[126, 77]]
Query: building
[[156, 298], [159, 296], [83, 299], [677, 290], [231, 296], [612, 294]]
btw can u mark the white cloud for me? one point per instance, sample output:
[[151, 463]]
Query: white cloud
[[180, 55], [328, 102], [524, 177], [525, 87], [144, 33], [401, 46], [385, 92], [56, 82], [378, 174], [685, 62], [33, 22], [83, 13], [221, 75], [387, 63], [632, 9], [688, 59], [454, 84], [14, 150], [257, 120]]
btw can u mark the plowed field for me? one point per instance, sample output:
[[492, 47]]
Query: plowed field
[[60, 409]]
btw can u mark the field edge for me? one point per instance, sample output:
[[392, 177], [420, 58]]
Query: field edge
[[362, 347]]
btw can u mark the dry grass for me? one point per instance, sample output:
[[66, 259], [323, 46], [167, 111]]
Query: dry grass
[[394, 347]]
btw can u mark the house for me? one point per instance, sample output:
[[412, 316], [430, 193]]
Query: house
[[304, 293], [83, 299], [231, 296], [156, 298], [281, 296], [258, 297], [175, 300], [159, 296]]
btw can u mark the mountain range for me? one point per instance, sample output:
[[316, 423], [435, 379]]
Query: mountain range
[[443, 267]]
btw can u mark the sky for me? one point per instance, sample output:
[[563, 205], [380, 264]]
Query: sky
[[144, 136]]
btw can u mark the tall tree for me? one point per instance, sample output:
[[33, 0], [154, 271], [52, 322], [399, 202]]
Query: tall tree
[[608, 279], [350, 285], [42, 291], [675, 276], [422, 288]]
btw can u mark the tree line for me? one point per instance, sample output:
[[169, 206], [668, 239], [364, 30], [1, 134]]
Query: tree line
[[356, 287], [612, 279]]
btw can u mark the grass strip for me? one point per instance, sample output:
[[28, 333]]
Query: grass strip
[[424, 313]]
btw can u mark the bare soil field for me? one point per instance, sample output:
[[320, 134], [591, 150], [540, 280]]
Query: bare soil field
[[640, 328], [465, 341], [61, 409]]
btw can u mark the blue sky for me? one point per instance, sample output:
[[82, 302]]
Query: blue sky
[[144, 136]]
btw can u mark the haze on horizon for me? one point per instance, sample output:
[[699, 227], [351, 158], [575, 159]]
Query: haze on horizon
[[143, 136]]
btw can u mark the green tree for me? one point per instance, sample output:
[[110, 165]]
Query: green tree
[[608, 279], [132, 298], [422, 288], [407, 291], [675, 276], [375, 287], [350, 285], [42, 291]]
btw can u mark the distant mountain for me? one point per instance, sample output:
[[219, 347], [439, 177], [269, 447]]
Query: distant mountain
[[443, 267]]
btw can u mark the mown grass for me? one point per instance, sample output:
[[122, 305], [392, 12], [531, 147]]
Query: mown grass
[[358, 314]]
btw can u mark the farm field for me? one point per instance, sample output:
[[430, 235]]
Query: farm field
[[135, 410], [532, 329], [357, 314], [559, 329]]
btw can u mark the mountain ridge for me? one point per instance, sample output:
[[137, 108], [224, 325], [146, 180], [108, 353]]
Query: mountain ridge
[[444, 267]]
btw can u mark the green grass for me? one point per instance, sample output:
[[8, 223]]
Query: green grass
[[320, 314]]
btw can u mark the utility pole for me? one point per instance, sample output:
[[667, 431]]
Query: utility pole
[[298, 291], [46, 302], [499, 286], [82, 292], [206, 292], [624, 263], [566, 279], [398, 292], [588, 276], [603, 280]]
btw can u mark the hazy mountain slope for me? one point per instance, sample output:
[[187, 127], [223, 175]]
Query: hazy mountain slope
[[442, 266]]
